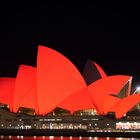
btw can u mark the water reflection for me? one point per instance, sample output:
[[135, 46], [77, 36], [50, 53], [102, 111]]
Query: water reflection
[[62, 138]]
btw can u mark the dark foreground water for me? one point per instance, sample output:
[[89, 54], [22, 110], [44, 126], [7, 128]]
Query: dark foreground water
[[62, 138]]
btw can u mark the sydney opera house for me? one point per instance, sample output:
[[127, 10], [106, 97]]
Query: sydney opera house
[[55, 92]]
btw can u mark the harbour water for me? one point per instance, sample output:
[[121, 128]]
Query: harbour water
[[62, 138]]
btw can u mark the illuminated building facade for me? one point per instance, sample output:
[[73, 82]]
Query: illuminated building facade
[[54, 96], [56, 83]]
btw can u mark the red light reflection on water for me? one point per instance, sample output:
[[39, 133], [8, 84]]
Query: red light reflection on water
[[60, 138]]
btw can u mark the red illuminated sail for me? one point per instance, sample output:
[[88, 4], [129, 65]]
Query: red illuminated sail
[[57, 79], [92, 72], [125, 104], [109, 101], [100, 70], [7, 91], [25, 88], [106, 86], [78, 101]]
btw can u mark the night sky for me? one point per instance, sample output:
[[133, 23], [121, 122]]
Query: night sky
[[108, 33]]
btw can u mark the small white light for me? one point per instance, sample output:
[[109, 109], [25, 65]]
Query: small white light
[[138, 89], [90, 138], [51, 137], [95, 138]]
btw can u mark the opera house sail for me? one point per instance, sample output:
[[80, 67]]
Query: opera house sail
[[55, 95]]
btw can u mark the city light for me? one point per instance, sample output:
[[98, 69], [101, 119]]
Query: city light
[[138, 89]]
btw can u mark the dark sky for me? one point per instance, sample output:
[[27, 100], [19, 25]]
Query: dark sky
[[107, 33]]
